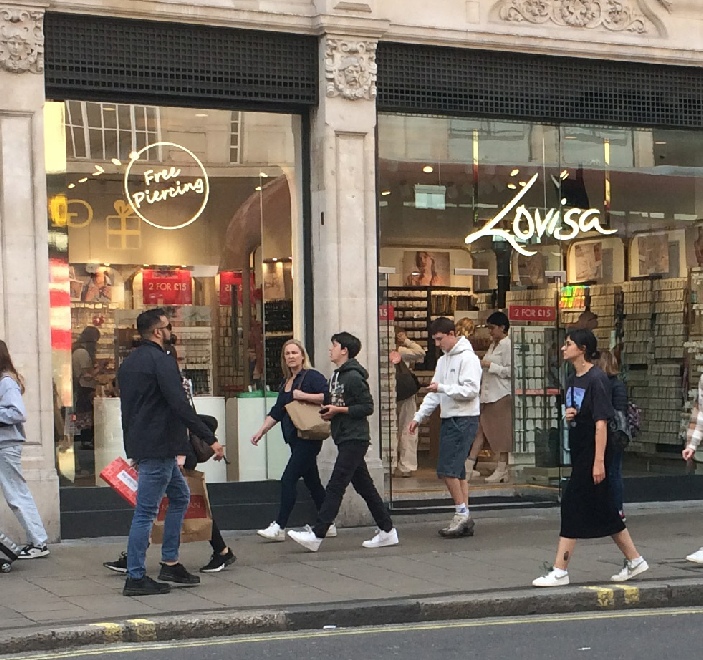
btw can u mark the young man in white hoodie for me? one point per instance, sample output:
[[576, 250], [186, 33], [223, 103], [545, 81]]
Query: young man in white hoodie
[[455, 388]]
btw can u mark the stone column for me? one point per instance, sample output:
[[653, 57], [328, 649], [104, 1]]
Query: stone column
[[344, 242], [24, 266]]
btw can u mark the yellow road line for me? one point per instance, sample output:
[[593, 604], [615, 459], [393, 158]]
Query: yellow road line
[[343, 632], [605, 597], [632, 594], [145, 629], [112, 631]]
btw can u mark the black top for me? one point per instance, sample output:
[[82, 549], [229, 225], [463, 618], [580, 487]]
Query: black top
[[155, 408], [619, 394], [309, 381], [349, 387]]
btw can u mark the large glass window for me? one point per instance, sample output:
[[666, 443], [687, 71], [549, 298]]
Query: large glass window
[[193, 210], [558, 225]]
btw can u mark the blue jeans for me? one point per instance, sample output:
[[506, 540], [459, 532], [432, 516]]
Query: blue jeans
[[157, 477], [17, 495]]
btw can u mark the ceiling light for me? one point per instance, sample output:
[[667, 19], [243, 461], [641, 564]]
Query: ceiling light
[[660, 142], [83, 180], [569, 137], [106, 265], [563, 201], [385, 192], [274, 259], [515, 172], [108, 108], [257, 188], [564, 174], [512, 186], [118, 162], [71, 186], [201, 114], [263, 175], [523, 183], [428, 168], [133, 155], [98, 170]]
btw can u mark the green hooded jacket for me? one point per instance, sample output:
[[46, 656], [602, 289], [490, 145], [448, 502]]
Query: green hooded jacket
[[349, 387]]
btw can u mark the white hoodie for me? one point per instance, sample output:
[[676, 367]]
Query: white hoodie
[[458, 376]]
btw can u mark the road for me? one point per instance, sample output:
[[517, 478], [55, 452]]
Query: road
[[640, 635]]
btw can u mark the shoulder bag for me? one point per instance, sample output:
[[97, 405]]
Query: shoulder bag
[[306, 418], [202, 450]]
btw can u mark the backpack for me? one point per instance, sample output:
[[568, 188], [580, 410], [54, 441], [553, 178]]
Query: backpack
[[619, 430], [634, 418]]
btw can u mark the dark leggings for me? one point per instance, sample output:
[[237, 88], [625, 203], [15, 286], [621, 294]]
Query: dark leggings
[[216, 541], [301, 464]]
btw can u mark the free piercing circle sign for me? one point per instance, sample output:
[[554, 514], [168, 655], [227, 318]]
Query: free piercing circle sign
[[158, 185]]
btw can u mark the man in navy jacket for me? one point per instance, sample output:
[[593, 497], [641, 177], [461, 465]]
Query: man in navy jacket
[[155, 417]]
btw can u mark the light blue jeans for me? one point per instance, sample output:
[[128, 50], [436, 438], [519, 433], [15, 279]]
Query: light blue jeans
[[157, 477], [17, 494]]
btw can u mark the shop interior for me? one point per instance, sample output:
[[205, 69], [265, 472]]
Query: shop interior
[[195, 211], [635, 264]]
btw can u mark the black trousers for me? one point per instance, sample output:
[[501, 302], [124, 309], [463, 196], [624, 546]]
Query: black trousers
[[216, 541], [350, 468], [302, 464]]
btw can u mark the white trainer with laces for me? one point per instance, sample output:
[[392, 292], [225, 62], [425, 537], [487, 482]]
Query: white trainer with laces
[[382, 539], [273, 533], [331, 532], [696, 557], [631, 568], [33, 552], [551, 579], [306, 538]]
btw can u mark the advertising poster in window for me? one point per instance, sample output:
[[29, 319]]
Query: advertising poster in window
[[167, 287], [424, 268], [653, 252], [588, 261]]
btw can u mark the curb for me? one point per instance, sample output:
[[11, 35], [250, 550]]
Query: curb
[[462, 606]]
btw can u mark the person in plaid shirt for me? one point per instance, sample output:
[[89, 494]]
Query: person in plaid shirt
[[694, 436]]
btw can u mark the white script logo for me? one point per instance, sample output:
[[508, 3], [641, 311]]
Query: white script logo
[[169, 186], [578, 221]]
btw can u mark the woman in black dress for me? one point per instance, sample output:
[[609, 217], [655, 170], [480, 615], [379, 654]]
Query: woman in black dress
[[587, 507]]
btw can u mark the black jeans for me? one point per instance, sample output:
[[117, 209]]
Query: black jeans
[[301, 464], [350, 468]]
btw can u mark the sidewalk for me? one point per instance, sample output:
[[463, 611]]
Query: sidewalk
[[47, 602]]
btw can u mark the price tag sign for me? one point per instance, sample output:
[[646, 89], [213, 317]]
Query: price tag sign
[[167, 287]]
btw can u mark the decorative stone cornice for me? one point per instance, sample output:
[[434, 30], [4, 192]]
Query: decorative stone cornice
[[614, 15], [350, 68], [21, 39]]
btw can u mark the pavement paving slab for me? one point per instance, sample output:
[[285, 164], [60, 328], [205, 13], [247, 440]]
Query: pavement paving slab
[[69, 598]]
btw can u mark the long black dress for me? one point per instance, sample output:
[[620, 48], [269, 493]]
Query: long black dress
[[588, 510]]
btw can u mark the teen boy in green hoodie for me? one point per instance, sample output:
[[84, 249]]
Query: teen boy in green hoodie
[[347, 407]]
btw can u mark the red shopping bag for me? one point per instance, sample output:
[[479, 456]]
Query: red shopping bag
[[121, 477]]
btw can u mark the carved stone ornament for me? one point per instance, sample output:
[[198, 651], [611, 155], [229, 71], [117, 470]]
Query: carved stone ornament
[[350, 69], [21, 40], [616, 15]]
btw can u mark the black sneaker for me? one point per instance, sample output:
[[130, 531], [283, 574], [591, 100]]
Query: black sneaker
[[144, 587], [119, 566], [218, 562], [177, 573]]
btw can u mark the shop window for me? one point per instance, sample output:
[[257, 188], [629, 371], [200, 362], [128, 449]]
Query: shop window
[[109, 131]]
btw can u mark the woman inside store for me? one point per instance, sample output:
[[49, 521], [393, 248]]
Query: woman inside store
[[608, 363], [587, 506], [85, 371], [12, 436], [426, 273], [496, 421], [301, 383]]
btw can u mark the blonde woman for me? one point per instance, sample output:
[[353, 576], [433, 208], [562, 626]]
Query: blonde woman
[[301, 383], [12, 436]]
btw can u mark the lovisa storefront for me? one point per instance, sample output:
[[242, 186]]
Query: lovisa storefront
[[281, 170]]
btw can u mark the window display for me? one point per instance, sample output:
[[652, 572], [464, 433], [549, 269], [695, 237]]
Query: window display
[[155, 209]]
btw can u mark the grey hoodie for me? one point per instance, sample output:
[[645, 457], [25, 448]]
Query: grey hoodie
[[12, 412]]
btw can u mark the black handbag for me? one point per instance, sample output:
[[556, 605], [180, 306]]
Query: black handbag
[[202, 450]]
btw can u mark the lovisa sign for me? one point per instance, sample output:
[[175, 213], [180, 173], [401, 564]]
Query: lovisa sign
[[577, 221]]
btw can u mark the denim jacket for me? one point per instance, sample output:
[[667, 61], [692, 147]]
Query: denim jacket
[[12, 412]]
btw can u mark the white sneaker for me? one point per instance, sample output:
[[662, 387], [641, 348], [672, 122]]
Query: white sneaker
[[33, 552], [696, 557], [630, 569], [382, 539], [273, 533], [551, 579], [306, 538], [331, 532]]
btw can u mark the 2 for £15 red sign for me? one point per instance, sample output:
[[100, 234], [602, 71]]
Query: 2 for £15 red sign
[[542, 313], [167, 287]]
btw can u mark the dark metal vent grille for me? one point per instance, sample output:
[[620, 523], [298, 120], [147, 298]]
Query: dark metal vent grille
[[110, 57], [456, 81]]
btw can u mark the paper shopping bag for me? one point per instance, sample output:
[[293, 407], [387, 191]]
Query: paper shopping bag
[[122, 478], [197, 525]]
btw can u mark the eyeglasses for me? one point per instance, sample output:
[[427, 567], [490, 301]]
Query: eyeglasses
[[163, 327]]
